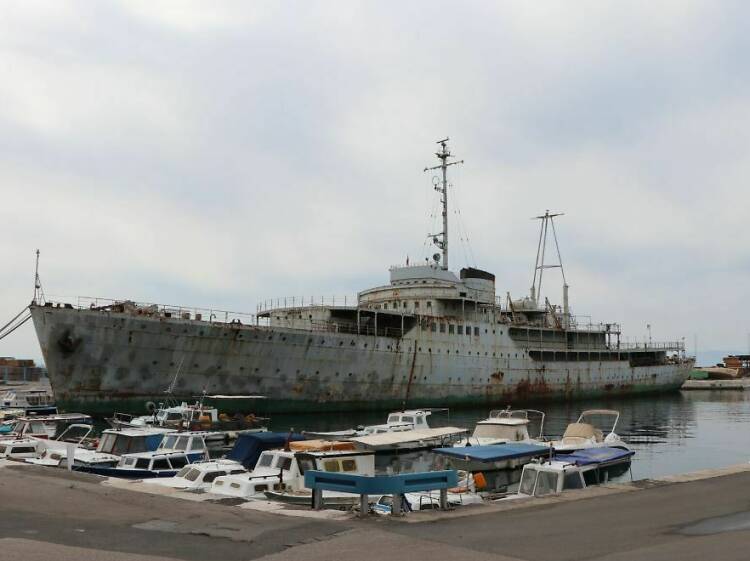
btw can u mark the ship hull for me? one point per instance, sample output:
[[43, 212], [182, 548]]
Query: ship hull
[[102, 361]]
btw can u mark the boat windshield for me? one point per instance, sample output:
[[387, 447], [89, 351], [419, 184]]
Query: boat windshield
[[184, 472], [265, 460], [493, 430], [538, 483], [119, 444], [168, 442], [528, 480], [546, 483]]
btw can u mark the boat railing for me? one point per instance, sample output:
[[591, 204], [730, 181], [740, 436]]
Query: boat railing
[[210, 315]]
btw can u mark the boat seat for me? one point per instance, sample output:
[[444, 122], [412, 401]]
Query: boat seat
[[582, 431]]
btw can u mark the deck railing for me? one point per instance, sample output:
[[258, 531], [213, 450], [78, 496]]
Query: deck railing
[[306, 302], [210, 315]]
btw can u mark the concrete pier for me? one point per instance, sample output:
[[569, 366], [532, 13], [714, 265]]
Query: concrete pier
[[53, 514], [741, 384]]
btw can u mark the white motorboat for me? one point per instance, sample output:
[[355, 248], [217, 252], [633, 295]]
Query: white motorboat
[[575, 470], [112, 444], [32, 401], [31, 447], [505, 425], [587, 433], [396, 421], [412, 439], [200, 475], [279, 474], [42, 426]]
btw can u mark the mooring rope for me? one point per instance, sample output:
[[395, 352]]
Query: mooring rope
[[13, 324]]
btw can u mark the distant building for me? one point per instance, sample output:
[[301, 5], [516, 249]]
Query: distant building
[[20, 370]]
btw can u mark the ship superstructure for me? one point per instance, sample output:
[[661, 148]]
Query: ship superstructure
[[429, 337]]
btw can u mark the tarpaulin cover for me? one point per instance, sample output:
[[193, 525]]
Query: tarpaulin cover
[[599, 455], [494, 452], [249, 447]]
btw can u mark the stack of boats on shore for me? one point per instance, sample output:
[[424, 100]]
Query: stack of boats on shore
[[501, 455]]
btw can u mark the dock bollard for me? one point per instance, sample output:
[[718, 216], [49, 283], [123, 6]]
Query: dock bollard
[[396, 505], [317, 499], [443, 499], [364, 506]]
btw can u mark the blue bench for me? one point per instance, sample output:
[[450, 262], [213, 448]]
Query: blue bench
[[395, 485]]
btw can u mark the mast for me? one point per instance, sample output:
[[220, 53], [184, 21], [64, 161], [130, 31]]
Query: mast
[[441, 239], [548, 220]]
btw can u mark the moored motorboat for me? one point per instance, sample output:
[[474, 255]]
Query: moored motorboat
[[42, 426], [32, 401], [112, 444], [587, 433], [505, 425], [576, 470], [491, 457], [200, 475], [397, 421], [281, 473]]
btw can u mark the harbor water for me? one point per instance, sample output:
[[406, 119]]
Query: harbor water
[[670, 433]]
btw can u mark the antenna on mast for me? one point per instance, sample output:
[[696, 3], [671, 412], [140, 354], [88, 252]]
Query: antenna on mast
[[441, 239], [548, 221], [38, 292]]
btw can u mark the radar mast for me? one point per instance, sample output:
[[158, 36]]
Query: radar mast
[[441, 239]]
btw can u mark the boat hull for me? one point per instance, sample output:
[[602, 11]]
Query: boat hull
[[103, 361]]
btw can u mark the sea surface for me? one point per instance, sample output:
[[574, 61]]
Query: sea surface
[[670, 433]]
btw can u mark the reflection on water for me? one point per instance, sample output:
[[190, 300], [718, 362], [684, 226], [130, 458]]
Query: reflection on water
[[671, 434]]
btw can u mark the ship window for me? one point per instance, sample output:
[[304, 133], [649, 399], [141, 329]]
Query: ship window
[[161, 464], [460, 329], [416, 304], [463, 294], [476, 331], [450, 329], [404, 304], [349, 465], [442, 328], [429, 303], [433, 327], [385, 306], [468, 330]]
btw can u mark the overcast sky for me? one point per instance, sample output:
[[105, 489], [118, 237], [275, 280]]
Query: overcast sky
[[216, 154]]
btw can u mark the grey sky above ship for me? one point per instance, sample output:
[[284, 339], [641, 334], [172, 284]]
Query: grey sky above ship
[[191, 174]]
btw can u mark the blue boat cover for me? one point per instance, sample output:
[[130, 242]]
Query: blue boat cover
[[494, 452], [602, 455], [249, 446]]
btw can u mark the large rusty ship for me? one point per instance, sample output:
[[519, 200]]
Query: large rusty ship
[[429, 337]]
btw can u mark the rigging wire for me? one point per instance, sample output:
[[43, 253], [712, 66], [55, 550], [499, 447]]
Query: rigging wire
[[8, 330]]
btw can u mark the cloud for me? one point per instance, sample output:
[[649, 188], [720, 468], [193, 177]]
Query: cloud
[[221, 154]]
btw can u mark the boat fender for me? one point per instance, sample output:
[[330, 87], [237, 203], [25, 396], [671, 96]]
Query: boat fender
[[150, 406], [479, 481]]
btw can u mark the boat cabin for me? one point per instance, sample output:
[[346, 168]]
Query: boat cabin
[[130, 441], [192, 444], [577, 470], [17, 449], [201, 475], [150, 464], [38, 401], [281, 470]]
